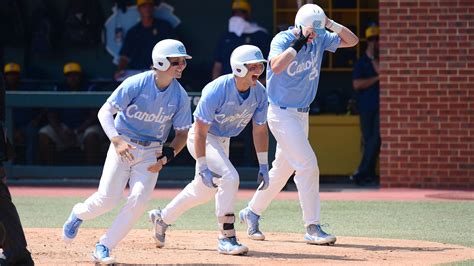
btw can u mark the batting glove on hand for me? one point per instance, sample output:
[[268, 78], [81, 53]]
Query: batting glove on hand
[[263, 178], [207, 176], [301, 41]]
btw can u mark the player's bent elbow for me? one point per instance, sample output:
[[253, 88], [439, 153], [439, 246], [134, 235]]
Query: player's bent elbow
[[277, 68], [276, 65], [349, 42], [356, 41]]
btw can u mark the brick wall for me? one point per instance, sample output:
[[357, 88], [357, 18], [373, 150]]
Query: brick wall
[[427, 93]]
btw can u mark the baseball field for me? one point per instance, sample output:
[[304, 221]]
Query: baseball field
[[373, 226]]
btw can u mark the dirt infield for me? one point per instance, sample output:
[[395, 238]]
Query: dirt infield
[[199, 247]]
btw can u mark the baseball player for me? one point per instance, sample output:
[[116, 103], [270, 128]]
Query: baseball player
[[226, 106], [292, 81], [147, 105]]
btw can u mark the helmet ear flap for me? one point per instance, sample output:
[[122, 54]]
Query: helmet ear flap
[[239, 69], [162, 63]]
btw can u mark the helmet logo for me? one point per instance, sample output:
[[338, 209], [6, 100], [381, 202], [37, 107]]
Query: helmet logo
[[316, 24], [258, 55], [181, 49]]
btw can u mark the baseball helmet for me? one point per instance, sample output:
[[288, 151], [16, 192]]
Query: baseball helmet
[[167, 48], [371, 31], [311, 15], [241, 5], [245, 54], [72, 67], [142, 2], [11, 67]]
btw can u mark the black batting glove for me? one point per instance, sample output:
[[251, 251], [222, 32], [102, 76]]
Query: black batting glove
[[301, 41], [167, 152]]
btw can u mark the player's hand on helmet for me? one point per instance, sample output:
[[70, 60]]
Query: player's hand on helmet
[[207, 177], [300, 41], [123, 149], [263, 178]]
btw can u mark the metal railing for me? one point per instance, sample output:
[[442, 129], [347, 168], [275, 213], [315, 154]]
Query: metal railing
[[177, 175]]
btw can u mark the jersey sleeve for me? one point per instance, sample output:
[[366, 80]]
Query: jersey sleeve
[[124, 94], [182, 119], [331, 41], [260, 115], [208, 104], [278, 45]]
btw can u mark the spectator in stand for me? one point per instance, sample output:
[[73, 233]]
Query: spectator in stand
[[26, 121], [240, 32], [140, 40], [71, 128], [366, 83]]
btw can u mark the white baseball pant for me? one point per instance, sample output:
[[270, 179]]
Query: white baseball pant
[[115, 175], [293, 153], [196, 193]]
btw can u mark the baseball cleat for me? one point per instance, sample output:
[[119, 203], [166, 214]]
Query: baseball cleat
[[71, 227], [316, 236], [159, 227], [102, 254], [251, 219], [230, 246]]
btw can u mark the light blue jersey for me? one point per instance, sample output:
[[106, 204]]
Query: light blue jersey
[[226, 111], [296, 86], [145, 112]]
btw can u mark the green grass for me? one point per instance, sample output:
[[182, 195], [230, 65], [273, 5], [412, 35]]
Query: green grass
[[442, 221], [459, 263]]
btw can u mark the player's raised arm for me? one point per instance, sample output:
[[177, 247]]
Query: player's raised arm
[[348, 38], [281, 61]]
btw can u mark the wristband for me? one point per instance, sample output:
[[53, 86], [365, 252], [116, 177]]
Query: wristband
[[262, 157], [300, 41], [334, 26], [201, 163], [167, 153], [292, 51]]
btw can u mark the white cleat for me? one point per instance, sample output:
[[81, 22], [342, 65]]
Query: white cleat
[[316, 236], [71, 227], [251, 220], [159, 227], [101, 254], [230, 246]]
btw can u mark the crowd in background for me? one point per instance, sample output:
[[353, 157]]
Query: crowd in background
[[74, 136]]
